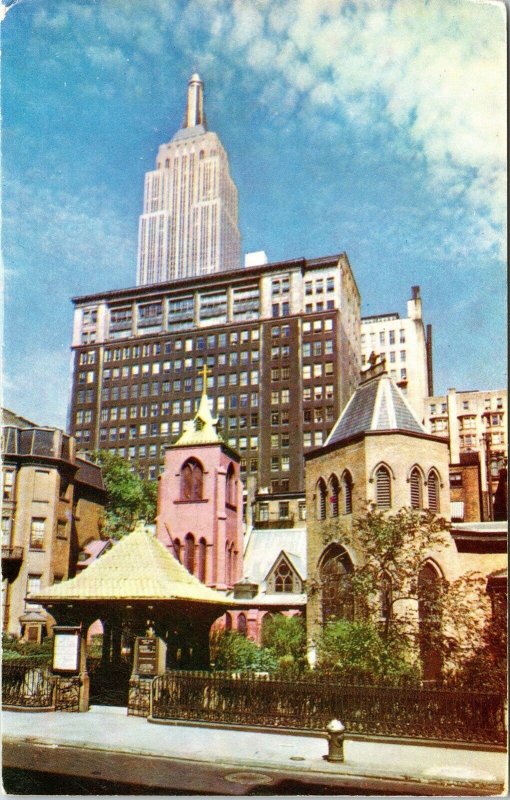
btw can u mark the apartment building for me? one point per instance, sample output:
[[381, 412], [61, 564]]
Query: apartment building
[[280, 344], [406, 345], [52, 505], [474, 422]]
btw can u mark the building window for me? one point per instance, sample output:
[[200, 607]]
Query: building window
[[8, 484], [416, 488], [283, 510], [37, 531], [33, 587], [230, 487], [189, 552], [202, 560], [302, 510], [433, 492], [320, 497], [283, 578], [192, 476], [264, 512], [334, 489], [337, 598], [6, 531], [383, 488], [241, 624], [429, 621], [347, 487]]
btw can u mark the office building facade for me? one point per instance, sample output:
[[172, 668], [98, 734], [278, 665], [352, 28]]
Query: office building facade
[[281, 345], [406, 345], [473, 422], [189, 222]]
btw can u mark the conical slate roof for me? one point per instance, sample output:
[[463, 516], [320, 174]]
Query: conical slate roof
[[376, 405], [138, 567]]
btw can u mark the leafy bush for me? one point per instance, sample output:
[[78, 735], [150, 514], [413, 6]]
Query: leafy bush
[[231, 651], [358, 652], [285, 637], [13, 648]]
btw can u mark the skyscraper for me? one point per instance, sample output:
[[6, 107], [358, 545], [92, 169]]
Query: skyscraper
[[189, 222]]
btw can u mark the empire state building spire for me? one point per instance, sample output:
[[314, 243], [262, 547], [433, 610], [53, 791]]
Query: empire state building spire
[[189, 222], [195, 105]]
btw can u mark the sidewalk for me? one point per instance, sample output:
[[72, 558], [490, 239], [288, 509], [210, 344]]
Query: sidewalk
[[106, 742]]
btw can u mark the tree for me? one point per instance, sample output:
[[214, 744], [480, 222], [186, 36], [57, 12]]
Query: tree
[[129, 498], [285, 637], [386, 590], [405, 616]]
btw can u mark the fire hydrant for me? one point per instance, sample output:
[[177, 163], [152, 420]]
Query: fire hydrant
[[335, 731]]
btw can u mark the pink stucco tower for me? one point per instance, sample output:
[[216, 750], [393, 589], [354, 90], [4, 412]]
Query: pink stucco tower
[[200, 502]]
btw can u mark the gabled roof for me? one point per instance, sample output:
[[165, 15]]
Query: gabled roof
[[139, 567], [265, 547], [376, 405]]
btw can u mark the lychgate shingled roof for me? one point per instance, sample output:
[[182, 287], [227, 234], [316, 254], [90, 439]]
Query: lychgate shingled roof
[[138, 567], [376, 405]]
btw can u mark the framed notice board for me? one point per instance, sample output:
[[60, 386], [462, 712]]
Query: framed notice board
[[66, 649]]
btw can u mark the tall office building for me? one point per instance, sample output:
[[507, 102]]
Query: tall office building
[[406, 345], [281, 344], [189, 222]]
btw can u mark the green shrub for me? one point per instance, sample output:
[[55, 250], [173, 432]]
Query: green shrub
[[358, 653], [231, 651]]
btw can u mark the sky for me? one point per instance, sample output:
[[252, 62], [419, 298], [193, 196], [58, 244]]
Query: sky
[[374, 127]]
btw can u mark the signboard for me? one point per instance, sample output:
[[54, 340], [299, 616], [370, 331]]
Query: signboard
[[149, 656], [66, 649], [147, 661]]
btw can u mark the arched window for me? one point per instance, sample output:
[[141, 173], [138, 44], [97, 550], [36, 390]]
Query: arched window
[[334, 489], [228, 563], [433, 491], [230, 486], [320, 499], [283, 578], [177, 549], [189, 552], [228, 621], [347, 487], [337, 597], [383, 487], [202, 560], [416, 488], [241, 624], [430, 621], [192, 479]]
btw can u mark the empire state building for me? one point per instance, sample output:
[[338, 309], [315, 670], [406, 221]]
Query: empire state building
[[189, 222]]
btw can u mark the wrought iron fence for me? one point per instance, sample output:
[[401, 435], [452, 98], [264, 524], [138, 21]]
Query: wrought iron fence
[[67, 693], [447, 715], [27, 683]]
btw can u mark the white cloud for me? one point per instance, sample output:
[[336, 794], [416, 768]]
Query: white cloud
[[435, 69]]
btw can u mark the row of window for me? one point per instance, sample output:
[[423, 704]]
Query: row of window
[[383, 338], [37, 537], [442, 408], [339, 492], [392, 357]]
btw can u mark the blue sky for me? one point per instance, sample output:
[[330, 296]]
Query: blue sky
[[375, 128]]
